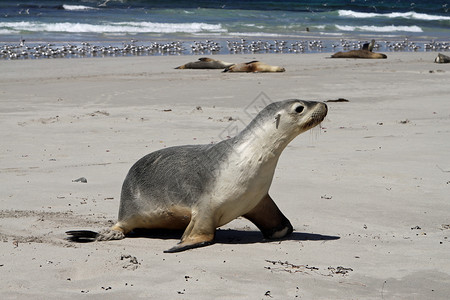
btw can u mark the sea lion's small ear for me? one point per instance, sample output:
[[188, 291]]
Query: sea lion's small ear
[[277, 120]]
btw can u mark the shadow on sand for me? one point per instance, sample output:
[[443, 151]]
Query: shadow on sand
[[231, 236]]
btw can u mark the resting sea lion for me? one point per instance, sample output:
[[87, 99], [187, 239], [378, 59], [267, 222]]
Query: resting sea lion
[[364, 52], [442, 59], [198, 188], [253, 66], [359, 54], [205, 63]]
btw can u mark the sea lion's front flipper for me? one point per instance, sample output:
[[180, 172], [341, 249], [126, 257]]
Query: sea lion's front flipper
[[183, 246], [269, 219], [199, 233]]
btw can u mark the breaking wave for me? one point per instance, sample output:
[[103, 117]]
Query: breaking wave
[[405, 15], [390, 28], [119, 27], [77, 7]]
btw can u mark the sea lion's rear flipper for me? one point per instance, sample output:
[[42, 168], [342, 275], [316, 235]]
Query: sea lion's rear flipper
[[82, 235], [269, 219]]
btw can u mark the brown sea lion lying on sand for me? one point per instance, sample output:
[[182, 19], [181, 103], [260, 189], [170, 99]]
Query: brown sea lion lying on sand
[[358, 54], [253, 66], [205, 63], [442, 59], [365, 52]]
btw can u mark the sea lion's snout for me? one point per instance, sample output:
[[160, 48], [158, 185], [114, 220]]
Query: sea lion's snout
[[317, 112], [320, 112]]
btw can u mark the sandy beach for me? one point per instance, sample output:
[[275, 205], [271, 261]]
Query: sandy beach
[[367, 194]]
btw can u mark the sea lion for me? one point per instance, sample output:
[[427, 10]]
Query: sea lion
[[368, 46], [253, 66], [199, 188], [364, 52], [205, 63], [442, 59], [359, 54]]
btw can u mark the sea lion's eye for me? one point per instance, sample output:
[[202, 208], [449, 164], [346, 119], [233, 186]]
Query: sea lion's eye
[[299, 109]]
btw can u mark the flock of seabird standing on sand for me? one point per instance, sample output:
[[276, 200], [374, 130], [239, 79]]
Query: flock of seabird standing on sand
[[35, 50]]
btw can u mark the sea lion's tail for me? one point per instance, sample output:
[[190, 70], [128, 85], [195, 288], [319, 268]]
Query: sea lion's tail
[[85, 236]]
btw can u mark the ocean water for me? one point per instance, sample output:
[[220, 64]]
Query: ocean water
[[109, 21]]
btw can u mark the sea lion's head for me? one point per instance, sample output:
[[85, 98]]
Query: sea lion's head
[[284, 120], [307, 114]]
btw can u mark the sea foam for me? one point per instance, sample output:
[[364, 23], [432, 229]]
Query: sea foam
[[120, 27], [405, 15], [390, 28], [77, 7]]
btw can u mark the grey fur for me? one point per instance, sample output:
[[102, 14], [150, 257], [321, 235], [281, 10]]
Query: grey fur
[[179, 175]]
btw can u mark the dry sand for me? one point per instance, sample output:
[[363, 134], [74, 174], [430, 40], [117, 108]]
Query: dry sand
[[368, 194]]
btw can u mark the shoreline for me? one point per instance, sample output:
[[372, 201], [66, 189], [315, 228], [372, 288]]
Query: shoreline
[[42, 50]]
